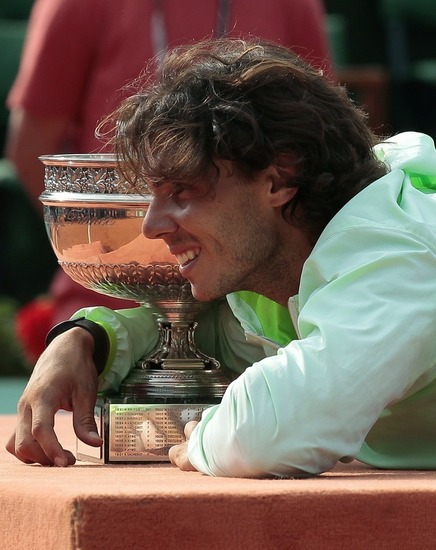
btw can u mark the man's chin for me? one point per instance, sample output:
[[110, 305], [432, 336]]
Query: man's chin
[[202, 295]]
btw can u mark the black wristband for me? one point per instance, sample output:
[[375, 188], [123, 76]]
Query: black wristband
[[101, 339]]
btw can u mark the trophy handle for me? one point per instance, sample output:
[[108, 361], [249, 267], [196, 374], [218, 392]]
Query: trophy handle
[[176, 349]]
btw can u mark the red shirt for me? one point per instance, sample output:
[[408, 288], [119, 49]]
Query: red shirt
[[79, 54]]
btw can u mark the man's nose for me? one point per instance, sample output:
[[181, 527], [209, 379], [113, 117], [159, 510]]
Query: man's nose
[[158, 220]]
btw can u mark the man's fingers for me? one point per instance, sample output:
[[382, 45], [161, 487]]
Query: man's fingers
[[84, 420], [30, 452], [189, 428], [37, 442], [178, 455], [173, 454], [34, 439], [11, 447], [45, 437]]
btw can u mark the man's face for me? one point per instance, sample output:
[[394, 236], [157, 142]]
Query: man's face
[[225, 236]]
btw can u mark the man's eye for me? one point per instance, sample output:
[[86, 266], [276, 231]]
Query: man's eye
[[179, 189]]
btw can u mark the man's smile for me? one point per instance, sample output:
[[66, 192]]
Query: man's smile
[[187, 256]]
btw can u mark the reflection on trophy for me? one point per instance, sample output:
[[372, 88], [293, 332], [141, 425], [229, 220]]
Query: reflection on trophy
[[94, 219]]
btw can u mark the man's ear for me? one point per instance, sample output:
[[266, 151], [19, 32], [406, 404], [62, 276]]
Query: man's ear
[[280, 190]]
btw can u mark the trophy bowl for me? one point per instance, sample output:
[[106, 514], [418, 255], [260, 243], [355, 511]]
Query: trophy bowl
[[94, 221]]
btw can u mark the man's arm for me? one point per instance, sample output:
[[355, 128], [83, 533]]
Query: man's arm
[[65, 377]]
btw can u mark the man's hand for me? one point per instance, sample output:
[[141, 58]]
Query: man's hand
[[65, 378], [178, 454]]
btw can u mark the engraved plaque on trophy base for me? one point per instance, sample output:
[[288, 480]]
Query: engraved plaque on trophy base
[[139, 432]]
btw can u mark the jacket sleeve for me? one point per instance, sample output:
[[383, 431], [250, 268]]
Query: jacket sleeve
[[367, 338], [131, 332]]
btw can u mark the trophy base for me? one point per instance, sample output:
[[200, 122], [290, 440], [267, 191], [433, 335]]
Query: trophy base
[[140, 432]]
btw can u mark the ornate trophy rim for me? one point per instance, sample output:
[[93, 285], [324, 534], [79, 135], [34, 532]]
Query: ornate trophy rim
[[88, 178], [88, 160], [81, 199]]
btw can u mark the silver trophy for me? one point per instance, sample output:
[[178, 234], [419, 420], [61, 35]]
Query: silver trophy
[[94, 222]]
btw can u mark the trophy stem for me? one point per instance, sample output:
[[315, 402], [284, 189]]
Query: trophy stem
[[176, 349], [176, 370]]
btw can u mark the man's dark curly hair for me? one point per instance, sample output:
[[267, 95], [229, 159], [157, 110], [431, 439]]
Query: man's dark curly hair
[[256, 104]]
